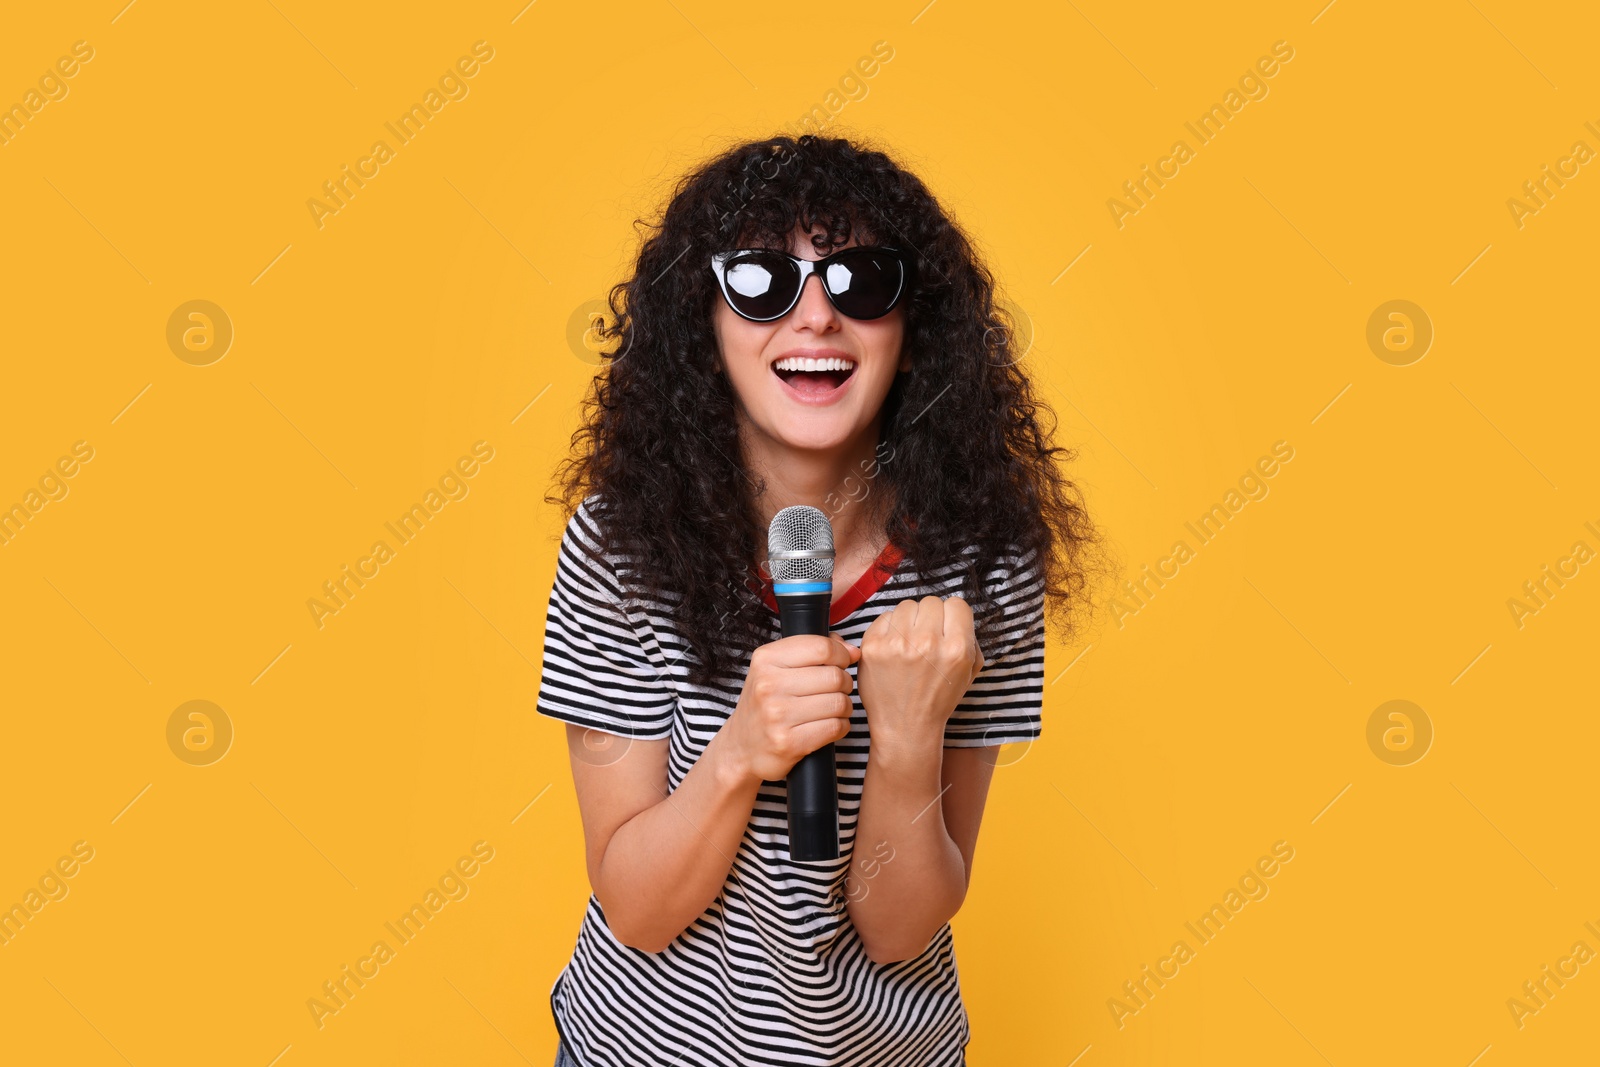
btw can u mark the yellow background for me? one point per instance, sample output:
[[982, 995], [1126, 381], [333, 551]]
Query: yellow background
[[372, 352]]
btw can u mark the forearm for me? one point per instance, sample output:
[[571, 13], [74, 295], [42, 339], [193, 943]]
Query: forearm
[[898, 904], [663, 867]]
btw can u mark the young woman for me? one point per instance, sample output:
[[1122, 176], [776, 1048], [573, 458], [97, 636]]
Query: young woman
[[804, 326]]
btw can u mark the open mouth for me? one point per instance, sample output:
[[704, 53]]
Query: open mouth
[[814, 378]]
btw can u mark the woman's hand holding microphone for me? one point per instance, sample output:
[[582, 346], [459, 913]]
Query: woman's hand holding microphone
[[796, 698], [914, 664]]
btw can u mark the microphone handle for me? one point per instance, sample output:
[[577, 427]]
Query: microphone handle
[[813, 781]]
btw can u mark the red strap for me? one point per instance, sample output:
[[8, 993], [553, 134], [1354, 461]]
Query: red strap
[[870, 582]]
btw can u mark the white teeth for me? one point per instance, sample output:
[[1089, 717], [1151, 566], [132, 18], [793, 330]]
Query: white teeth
[[804, 363]]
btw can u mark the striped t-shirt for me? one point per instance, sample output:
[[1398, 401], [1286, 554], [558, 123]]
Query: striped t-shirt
[[772, 972]]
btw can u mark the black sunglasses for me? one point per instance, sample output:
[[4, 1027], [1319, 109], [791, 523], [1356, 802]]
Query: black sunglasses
[[763, 284]]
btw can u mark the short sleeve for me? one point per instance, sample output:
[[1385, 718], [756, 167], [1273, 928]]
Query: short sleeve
[[597, 671], [1004, 702]]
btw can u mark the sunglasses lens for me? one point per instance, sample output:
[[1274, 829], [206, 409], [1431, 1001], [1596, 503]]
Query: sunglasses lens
[[865, 284], [761, 285]]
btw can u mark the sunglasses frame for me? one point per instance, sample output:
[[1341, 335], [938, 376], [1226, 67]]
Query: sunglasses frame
[[808, 267]]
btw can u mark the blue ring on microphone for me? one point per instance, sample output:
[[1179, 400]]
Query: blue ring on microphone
[[795, 588]]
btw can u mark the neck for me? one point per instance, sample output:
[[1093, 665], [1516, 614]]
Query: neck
[[838, 482]]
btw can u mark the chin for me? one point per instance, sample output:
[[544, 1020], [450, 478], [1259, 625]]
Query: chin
[[823, 434], [814, 442]]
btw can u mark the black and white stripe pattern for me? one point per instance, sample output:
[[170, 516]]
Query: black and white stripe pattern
[[772, 972]]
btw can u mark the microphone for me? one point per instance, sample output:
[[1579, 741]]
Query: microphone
[[800, 560]]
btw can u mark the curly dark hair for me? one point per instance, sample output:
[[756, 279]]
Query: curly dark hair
[[659, 440]]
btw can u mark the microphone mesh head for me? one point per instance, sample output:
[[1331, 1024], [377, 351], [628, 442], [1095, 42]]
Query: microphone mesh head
[[801, 528]]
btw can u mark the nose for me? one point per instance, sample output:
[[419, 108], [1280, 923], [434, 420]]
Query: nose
[[814, 309]]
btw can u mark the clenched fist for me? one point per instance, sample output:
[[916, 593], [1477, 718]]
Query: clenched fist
[[917, 662]]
